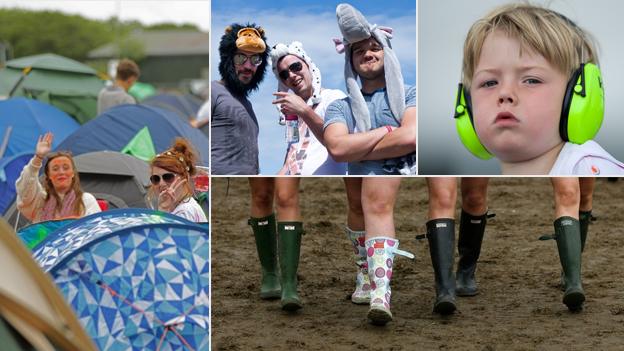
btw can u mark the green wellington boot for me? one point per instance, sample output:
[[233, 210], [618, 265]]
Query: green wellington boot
[[584, 220], [289, 247], [471, 230], [266, 244], [441, 236], [568, 236]]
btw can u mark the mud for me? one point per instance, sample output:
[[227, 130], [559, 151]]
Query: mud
[[519, 306]]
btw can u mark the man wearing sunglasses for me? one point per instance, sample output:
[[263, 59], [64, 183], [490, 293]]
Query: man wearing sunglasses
[[234, 127], [374, 129], [296, 72]]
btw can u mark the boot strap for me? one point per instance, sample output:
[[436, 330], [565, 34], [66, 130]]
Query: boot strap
[[404, 253]]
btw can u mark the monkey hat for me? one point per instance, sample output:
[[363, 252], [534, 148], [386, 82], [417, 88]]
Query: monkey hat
[[247, 37], [296, 49], [354, 28]]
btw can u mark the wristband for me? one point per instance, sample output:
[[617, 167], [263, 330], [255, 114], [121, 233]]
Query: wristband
[[389, 129]]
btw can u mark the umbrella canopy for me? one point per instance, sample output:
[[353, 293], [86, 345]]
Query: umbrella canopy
[[23, 120], [114, 128], [65, 83], [30, 302], [137, 279]]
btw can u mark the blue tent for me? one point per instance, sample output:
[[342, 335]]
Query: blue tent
[[137, 279], [186, 106], [10, 169], [27, 119], [114, 128]]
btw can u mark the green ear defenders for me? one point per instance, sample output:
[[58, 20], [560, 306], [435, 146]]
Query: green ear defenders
[[581, 113]]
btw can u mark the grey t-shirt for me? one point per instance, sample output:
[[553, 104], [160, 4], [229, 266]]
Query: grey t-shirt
[[234, 128], [379, 108], [112, 96]]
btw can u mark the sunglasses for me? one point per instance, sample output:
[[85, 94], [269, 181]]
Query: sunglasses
[[240, 59], [294, 67], [167, 177]]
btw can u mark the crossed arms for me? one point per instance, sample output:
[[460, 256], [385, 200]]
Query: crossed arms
[[375, 144]]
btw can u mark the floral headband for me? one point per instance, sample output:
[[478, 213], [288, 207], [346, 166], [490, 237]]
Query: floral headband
[[179, 157]]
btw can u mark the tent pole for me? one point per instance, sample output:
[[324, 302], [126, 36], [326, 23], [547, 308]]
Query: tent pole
[[5, 140]]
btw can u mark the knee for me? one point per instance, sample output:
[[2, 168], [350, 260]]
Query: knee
[[474, 202], [567, 196], [442, 200], [286, 199], [377, 204], [262, 200]]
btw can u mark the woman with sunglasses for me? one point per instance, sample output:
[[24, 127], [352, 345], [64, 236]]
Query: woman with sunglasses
[[171, 181], [60, 196]]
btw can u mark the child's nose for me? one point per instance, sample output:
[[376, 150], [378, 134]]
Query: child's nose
[[506, 95]]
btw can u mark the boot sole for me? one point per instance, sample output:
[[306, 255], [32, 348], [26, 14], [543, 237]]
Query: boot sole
[[444, 308], [360, 301], [271, 295], [464, 293], [379, 317], [291, 305], [574, 301]]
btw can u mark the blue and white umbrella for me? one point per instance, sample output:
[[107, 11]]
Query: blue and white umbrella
[[137, 279]]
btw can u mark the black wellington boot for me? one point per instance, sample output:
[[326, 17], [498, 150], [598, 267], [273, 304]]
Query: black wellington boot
[[289, 247], [568, 236], [441, 237], [471, 230], [584, 219], [266, 243]]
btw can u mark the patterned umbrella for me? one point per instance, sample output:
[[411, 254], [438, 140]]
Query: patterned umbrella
[[137, 279]]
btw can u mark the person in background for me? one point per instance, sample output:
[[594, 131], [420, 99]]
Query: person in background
[[117, 94]]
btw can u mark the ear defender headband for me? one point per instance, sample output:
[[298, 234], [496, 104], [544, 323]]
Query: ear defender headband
[[581, 113]]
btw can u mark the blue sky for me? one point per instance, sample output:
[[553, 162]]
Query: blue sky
[[314, 24]]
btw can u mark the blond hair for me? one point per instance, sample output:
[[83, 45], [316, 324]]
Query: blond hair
[[559, 40]]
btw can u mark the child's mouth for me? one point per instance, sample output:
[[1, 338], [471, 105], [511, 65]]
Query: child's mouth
[[505, 118]]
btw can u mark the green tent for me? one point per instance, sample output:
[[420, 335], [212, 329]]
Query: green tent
[[67, 84]]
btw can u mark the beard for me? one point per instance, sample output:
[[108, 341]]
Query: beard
[[235, 85]]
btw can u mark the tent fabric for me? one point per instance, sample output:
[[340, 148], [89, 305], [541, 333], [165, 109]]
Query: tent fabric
[[34, 234], [186, 106], [141, 91], [137, 279], [114, 128], [141, 146], [114, 173], [29, 119], [67, 84], [28, 296], [10, 169]]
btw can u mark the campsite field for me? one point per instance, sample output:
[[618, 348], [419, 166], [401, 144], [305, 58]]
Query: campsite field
[[519, 306]]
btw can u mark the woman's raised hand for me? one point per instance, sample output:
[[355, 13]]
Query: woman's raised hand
[[44, 145]]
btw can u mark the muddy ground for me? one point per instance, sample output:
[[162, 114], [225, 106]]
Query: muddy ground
[[519, 306]]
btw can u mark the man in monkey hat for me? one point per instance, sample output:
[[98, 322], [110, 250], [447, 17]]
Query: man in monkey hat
[[234, 147]]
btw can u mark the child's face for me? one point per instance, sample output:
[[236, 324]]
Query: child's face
[[516, 99]]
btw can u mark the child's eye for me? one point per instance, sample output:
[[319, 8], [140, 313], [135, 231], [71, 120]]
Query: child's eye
[[488, 84], [532, 81]]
